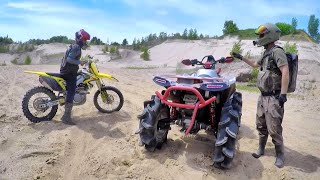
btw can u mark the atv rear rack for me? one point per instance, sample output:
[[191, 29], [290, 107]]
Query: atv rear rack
[[200, 104]]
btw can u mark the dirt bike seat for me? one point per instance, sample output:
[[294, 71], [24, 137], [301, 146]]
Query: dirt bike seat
[[55, 74]]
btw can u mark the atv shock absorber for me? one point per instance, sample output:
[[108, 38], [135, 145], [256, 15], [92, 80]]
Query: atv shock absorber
[[212, 114], [173, 113]]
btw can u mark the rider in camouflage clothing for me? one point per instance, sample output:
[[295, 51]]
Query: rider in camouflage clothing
[[273, 80]]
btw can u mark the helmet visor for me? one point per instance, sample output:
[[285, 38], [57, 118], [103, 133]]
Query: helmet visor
[[261, 30]]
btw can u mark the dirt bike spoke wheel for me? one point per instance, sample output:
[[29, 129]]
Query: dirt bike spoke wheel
[[113, 100], [34, 105]]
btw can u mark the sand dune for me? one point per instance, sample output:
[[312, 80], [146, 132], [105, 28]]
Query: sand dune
[[104, 146]]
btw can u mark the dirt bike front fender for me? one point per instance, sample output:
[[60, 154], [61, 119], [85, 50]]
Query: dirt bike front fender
[[106, 76]]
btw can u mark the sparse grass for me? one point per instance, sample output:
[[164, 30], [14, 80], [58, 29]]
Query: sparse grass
[[3, 64], [291, 48], [245, 34], [248, 54], [25, 48], [105, 49], [141, 67], [243, 87], [4, 48]]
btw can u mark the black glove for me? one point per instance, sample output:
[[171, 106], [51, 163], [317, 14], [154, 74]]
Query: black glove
[[237, 55], [282, 99], [194, 61]]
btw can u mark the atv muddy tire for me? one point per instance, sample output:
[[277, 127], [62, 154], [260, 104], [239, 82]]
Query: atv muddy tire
[[154, 124], [228, 129], [25, 105]]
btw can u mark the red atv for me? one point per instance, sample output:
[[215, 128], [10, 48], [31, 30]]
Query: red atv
[[202, 100]]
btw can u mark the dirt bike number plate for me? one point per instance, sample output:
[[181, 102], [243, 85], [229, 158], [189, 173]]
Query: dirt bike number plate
[[190, 98]]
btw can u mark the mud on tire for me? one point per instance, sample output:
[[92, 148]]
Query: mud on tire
[[228, 129], [25, 104], [154, 124]]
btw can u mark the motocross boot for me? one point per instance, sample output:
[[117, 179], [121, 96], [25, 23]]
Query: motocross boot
[[66, 118], [280, 156], [262, 145]]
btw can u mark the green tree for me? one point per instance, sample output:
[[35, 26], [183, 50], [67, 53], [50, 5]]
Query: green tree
[[185, 34], [201, 36], [190, 34], [145, 54], [124, 42], [294, 24], [195, 35], [313, 26], [229, 27], [285, 28]]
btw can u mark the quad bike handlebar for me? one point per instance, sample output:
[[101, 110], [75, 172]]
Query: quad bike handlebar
[[209, 64]]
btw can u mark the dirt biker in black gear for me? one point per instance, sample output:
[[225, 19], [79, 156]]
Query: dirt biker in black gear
[[68, 70]]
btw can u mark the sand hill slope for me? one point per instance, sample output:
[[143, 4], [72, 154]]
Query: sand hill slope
[[104, 146]]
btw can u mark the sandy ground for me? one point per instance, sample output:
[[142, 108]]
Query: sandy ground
[[104, 146]]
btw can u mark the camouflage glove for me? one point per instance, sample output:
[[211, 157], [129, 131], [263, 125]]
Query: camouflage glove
[[282, 99], [237, 55]]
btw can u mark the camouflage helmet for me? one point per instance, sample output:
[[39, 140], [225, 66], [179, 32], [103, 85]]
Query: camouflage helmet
[[267, 33]]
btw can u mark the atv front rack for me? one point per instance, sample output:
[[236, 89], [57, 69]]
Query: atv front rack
[[200, 104]]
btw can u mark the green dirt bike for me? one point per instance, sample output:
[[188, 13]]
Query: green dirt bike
[[41, 103]]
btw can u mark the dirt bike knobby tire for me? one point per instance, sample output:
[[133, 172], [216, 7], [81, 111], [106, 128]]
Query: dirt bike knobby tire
[[108, 88], [25, 103]]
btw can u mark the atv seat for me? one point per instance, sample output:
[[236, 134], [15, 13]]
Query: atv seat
[[55, 74]]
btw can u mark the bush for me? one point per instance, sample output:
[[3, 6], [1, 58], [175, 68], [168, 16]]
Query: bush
[[145, 55], [114, 50], [27, 60], [254, 74], [25, 48], [14, 61], [290, 48], [4, 48], [285, 28], [237, 47], [105, 49]]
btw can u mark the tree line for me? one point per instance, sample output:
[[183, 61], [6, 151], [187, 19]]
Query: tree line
[[231, 28]]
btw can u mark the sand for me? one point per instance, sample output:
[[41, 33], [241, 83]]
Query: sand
[[104, 146]]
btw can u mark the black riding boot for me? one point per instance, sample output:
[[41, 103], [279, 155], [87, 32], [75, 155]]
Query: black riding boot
[[262, 145], [280, 156], [66, 118]]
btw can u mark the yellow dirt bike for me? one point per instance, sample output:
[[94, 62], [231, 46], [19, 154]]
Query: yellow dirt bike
[[41, 103]]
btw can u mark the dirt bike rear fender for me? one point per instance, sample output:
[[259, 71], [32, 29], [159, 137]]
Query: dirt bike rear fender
[[43, 74]]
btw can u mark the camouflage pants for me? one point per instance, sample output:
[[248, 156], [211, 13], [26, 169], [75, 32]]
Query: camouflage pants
[[269, 118]]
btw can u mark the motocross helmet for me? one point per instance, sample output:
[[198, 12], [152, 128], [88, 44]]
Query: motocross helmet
[[267, 33], [81, 38]]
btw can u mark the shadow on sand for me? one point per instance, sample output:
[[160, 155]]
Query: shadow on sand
[[99, 125]]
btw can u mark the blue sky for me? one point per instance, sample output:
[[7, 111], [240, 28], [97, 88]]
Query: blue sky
[[119, 19]]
